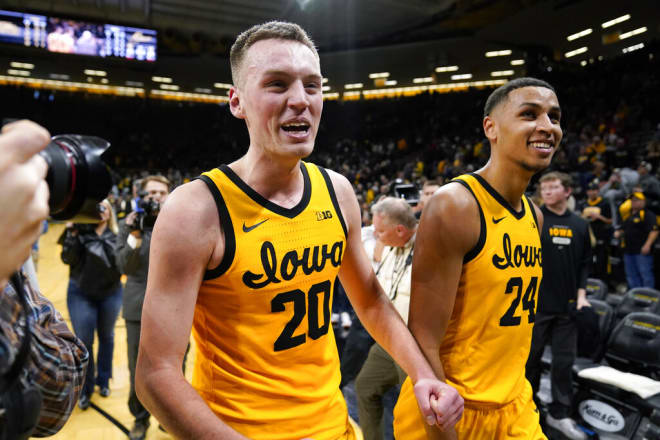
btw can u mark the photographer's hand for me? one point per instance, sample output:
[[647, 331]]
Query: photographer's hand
[[23, 192], [130, 220]]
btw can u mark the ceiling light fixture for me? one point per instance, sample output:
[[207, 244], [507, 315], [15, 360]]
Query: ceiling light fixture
[[517, 62], [615, 21], [502, 73], [579, 34], [354, 86], [632, 48], [463, 76], [498, 53], [576, 52], [379, 75], [446, 69], [426, 79], [632, 33]]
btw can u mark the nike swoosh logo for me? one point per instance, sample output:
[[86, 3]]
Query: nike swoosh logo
[[497, 220], [249, 228]]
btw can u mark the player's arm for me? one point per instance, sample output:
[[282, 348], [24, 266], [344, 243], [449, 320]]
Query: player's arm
[[384, 323], [183, 243], [449, 229]]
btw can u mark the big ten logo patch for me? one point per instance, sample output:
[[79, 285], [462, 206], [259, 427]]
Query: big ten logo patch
[[560, 234], [323, 215]]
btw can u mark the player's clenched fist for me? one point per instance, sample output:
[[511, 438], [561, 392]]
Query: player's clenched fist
[[439, 403], [23, 192]]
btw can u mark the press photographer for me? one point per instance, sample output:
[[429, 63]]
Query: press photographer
[[42, 364], [133, 260]]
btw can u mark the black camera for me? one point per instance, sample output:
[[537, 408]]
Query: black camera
[[77, 178], [147, 211]]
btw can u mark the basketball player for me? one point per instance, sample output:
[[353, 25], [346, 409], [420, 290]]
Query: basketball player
[[247, 256], [476, 273]]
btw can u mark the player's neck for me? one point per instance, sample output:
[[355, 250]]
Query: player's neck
[[510, 185], [279, 181]]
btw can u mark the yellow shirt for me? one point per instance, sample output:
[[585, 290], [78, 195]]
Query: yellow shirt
[[267, 363]]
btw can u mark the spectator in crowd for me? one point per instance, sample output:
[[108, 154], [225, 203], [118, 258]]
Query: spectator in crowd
[[597, 212], [42, 363], [566, 260], [428, 189], [394, 226], [94, 294], [133, 243], [650, 186], [639, 231], [617, 188]]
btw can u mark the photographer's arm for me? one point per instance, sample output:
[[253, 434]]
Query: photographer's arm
[[23, 192], [185, 240]]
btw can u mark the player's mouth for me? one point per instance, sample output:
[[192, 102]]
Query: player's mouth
[[297, 129], [542, 146]]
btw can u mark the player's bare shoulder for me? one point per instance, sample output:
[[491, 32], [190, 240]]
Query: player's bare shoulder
[[190, 214], [453, 213]]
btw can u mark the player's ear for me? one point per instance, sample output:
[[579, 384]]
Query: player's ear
[[490, 129], [235, 103]]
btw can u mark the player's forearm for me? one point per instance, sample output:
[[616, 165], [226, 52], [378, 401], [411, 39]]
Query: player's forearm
[[169, 397], [384, 323]]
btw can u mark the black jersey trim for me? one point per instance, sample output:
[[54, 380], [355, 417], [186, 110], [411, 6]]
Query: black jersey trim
[[472, 253], [227, 228], [258, 198], [333, 197], [517, 214], [531, 208]]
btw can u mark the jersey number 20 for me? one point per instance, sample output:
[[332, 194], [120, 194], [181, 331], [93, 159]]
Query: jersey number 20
[[509, 318], [301, 304]]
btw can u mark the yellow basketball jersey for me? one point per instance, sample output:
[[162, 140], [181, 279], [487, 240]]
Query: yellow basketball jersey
[[267, 362], [487, 341]]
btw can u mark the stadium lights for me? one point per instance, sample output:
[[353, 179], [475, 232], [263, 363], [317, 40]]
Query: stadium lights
[[583, 63], [58, 76], [637, 31], [169, 87], [353, 86], [17, 65], [222, 86], [615, 21], [325, 80], [502, 73], [161, 79], [330, 95], [135, 83], [18, 72], [379, 75], [498, 53], [446, 69], [325, 88], [426, 79], [104, 80], [576, 52], [579, 34], [632, 48], [517, 62], [463, 76], [202, 90], [391, 82], [91, 72]]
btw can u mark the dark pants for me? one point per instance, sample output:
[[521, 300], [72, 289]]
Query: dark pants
[[600, 260], [132, 344], [88, 315], [639, 270], [378, 375], [354, 352], [561, 331]]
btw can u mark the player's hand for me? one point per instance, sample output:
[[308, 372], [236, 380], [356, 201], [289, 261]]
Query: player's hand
[[439, 403], [23, 192]]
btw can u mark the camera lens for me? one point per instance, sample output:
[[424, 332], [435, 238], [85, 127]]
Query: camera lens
[[77, 176]]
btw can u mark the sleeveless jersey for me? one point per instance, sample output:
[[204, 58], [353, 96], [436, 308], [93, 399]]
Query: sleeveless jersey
[[267, 362]]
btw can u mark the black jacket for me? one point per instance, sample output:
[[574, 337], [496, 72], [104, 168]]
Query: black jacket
[[566, 251], [92, 261]]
